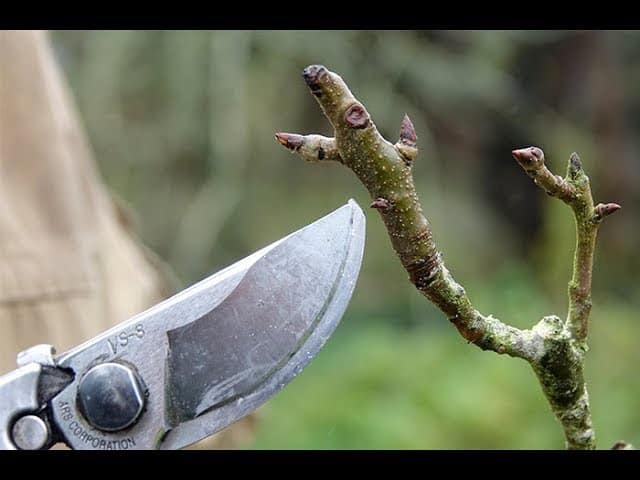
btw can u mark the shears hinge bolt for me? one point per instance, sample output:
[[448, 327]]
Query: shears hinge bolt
[[111, 396]]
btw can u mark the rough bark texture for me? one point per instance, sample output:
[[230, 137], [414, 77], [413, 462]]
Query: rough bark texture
[[554, 348]]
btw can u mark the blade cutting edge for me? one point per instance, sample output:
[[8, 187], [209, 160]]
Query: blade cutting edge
[[314, 298]]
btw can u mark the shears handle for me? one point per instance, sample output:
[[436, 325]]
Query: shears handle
[[18, 403], [24, 395]]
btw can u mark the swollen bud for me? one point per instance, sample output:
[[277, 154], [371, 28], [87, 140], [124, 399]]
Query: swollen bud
[[529, 158], [604, 209], [292, 141]]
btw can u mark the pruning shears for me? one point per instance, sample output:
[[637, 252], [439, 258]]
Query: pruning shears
[[196, 362]]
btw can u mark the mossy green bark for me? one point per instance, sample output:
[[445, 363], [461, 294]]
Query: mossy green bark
[[554, 348]]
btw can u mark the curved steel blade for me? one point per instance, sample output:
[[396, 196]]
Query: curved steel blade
[[214, 352]]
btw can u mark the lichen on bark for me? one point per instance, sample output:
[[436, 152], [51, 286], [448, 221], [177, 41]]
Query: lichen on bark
[[554, 348]]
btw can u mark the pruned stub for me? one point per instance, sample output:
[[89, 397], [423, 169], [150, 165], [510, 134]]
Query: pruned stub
[[312, 76]]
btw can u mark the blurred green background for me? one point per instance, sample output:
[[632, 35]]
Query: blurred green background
[[182, 125]]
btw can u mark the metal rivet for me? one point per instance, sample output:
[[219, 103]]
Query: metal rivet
[[30, 433], [111, 397]]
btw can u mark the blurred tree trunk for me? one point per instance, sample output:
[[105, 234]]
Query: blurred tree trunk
[[71, 266]]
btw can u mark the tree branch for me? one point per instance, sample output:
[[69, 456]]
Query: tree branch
[[312, 148], [575, 191], [385, 170]]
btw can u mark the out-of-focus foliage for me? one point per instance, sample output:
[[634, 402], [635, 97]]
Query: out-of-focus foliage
[[182, 125]]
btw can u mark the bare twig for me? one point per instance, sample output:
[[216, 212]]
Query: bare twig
[[554, 348], [575, 191]]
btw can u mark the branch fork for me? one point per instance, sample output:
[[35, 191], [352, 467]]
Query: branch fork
[[555, 348]]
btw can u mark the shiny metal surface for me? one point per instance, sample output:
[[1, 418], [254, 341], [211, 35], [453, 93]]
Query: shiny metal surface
[[30, 433], [214, 352], [18, 396], [42, 354], [111, 396]]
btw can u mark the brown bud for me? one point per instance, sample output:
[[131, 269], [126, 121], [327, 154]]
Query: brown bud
[[292, 141], [380, 204], [408, 132], [529, 158], [356, 116], [604, 209]]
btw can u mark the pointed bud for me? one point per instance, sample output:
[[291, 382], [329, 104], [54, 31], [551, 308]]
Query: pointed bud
[[575, 165], [292, 141], [604, 209], [408, 132], [529, 158], [407, 144]]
